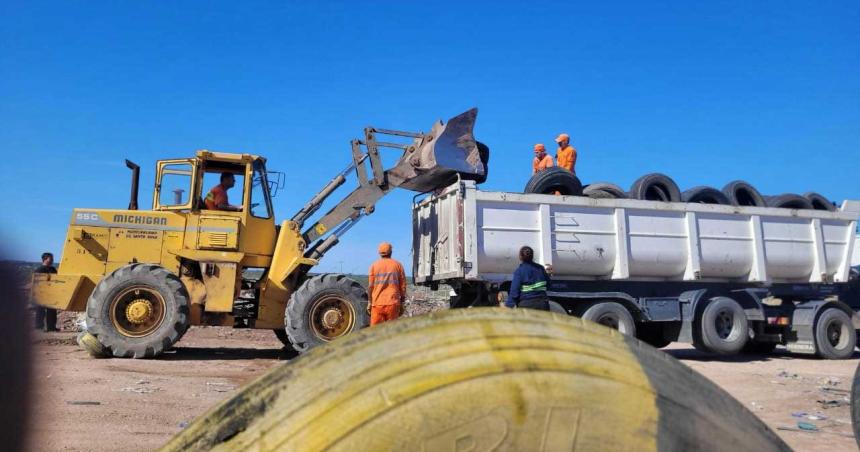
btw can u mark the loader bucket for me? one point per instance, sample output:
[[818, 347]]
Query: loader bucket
[[448, 150]]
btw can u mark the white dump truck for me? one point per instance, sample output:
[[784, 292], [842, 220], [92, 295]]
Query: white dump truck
[[724, 278]]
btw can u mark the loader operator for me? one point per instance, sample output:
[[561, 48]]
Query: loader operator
[[529, 284], [386, 287], [566, 155], [217, 197], [542, 161]]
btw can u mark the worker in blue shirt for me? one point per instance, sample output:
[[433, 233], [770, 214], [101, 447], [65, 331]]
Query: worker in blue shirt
[[529, 284]]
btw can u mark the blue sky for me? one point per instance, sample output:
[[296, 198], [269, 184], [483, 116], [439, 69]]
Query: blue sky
[[706, 92]]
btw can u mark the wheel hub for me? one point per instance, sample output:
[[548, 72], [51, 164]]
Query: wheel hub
[[331, 318], [138, 311]]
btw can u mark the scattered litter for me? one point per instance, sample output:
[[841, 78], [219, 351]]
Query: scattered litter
[[833, 403], [836, 390], [756, 405], [830, 381], [784, 374], [798, 414], [793, 429], [183, 424], [142, 382], [807, 426], [219, 387], [138, 390], [816, 417], [82, 402]]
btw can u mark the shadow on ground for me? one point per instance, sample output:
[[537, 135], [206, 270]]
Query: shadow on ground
[[778, 354], [223, 353]]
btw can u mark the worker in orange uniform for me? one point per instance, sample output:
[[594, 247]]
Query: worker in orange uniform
[[566, 155], [216, 199], [542, 161], [386, 287]]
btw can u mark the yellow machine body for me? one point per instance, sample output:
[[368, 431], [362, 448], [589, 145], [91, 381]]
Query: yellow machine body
[[208, 249]]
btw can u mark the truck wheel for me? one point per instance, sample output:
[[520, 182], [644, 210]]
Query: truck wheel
[[325, 308], [723, 327], [655, 187], [612, 315], [742, 193], [554, 179], [481, 379], [604, 190], [704, 195], [138, 311], [282, 336], [834, 334], [819, 202]]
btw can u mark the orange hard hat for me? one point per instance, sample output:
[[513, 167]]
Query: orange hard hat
[[385, 249], [540, 148], [562, 137]]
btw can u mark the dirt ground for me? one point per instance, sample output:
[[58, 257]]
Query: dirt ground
[[86, 404]]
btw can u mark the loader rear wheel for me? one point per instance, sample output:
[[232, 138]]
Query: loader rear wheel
[[325, 308], [481, 379], [138, 311], [285, 339]]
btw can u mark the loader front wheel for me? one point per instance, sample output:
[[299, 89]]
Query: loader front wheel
[[138, 311], [325, 308]]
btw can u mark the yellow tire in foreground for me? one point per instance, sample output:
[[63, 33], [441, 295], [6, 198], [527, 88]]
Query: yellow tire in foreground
[[481, 379]]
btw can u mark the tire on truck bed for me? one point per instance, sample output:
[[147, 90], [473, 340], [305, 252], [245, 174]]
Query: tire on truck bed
[[705, 195], [490, 378], [604, 190], [138, 311], [554, 179], [655, 187], [325, 308], [789, 201], [742, 193]]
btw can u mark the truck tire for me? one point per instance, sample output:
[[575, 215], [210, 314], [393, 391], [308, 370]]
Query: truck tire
[[323, 309], [138, 311], [655, 187], [705, 195], [742, 193], [601, 189], [285, 339], [855, 405], [835, 337], [722, 328], [481, 379], [613, 315], [554, 179], [789, 201], [819, 202]]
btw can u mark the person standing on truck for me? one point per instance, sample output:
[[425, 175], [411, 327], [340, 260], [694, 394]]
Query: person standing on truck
[[566, 155], [529, 284], [216, 199], [46, 318], [386, 287], [541, 161]]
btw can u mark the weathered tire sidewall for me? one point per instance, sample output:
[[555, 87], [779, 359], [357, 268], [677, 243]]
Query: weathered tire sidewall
[[661, 184], [173, 326], [823, 346], [737, 189], [297, 318], [597, 311], [740, 327], [855, 405], [554, 179]]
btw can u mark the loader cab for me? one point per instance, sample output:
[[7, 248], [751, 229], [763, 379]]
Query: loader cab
[[183, 184]]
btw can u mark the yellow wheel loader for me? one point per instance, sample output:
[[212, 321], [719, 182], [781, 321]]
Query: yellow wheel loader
[[144, 276]]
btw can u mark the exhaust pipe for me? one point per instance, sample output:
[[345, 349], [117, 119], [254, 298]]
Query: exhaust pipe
[[135, 180]]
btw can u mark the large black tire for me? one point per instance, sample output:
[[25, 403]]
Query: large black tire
[[705, 195], [554, 179], [604, 190], [481, 379], [742, 193], [655, 187], [722, 327], [612, 315], [835, 337], [306, 320], [138, 311], [819, 202], [789, 201], [282, 336]]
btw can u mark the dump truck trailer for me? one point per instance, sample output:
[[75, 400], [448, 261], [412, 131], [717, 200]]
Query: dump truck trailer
[[725, 278]]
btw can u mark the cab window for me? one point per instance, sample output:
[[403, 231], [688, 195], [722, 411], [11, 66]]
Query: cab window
[[260, 202], [175, 184], [216, 195]]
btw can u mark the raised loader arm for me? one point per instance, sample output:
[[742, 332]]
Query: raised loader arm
[[433, 160]]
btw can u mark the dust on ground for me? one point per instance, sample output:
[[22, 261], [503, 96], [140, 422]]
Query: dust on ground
[[86, 404]]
